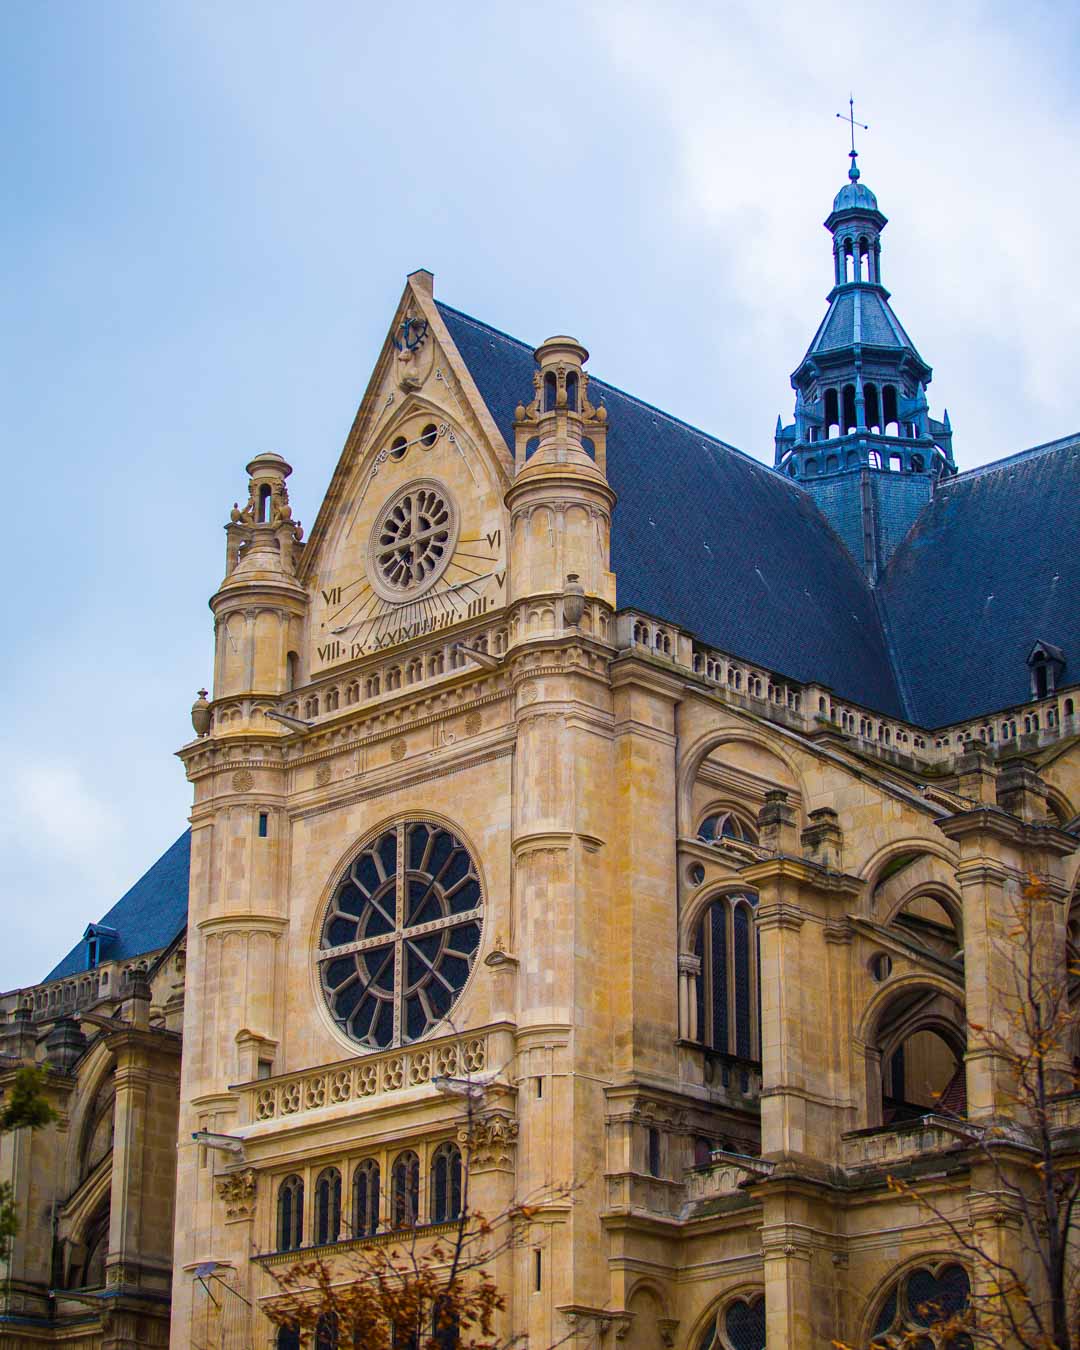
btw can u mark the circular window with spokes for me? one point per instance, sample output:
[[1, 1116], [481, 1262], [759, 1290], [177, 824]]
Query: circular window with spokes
[[412, 541], [400, 935]]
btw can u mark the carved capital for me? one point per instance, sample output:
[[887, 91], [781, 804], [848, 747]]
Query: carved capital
[[238, 1189]]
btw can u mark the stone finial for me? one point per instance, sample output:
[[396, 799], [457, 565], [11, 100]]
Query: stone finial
[[777, 824], [573, 600], [200, 714]]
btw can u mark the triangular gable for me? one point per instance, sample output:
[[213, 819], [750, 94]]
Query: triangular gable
[[447, 372]]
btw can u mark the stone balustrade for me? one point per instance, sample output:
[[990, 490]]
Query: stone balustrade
[[891, 1144], [812, 708], [723, 1174], [381, 1072]]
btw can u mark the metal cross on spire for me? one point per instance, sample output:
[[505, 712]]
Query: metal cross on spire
[[849, 117]]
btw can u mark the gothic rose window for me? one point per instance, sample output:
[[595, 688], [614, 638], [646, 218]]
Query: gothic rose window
[[739, 1325], [916, 1302], [400, 935]]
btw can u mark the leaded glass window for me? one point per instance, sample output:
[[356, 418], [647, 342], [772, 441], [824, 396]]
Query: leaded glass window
[[405, 1190], [738, 1325], [400, 935], [366, 1198], [919, 1300], [729, 982], [328, 1206], [722, 825], [290, 1214], [445, 1183]]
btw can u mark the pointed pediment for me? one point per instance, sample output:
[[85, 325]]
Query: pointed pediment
[[411, 536]]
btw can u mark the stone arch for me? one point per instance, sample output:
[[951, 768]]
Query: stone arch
[[706, 744], [933, 1260], [650, 1310], [747, 1291], [873, 866], [697, 906], [892, 1019]]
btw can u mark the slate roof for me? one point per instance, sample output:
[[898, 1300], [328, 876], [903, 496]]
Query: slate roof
[[147, 917], [990, 567], [859, 315], [710, 539], [717, 542]]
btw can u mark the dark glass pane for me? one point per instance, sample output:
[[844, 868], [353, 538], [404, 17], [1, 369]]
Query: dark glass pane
[[415, 1018], [349, 899], [377, 969], [422, 905], [288, 1338], [419, 837], [708, 828], [337, 972], [931, 1298], [326, 1333], [887, 1315], [387, 851], [745, 1325], [454, 970], [377, 920], [742, 982], [366, 874], [338, 932], [718, 973]]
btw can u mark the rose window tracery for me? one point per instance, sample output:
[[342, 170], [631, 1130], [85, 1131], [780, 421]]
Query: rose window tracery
[[412, 541], [400, 934]]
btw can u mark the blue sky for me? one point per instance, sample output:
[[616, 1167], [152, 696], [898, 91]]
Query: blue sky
[[210, 211]]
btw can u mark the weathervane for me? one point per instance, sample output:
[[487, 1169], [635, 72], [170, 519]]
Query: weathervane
[[853, 172]]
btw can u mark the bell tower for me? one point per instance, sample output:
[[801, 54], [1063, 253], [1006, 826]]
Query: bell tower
[[863, 441], [560, 502], [259, 608]]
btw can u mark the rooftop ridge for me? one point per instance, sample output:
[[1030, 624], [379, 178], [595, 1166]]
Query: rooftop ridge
[[1033, 452]]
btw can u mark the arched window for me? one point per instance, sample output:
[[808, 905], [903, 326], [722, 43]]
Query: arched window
[[873, 407], [366, 1198], [850, 418], [264, 504], [290, 1214], [292, 671], [571, 390], [326, 1332], [549, 391], [889, 413], [832, 413], [405, 1190], [652, 1147], [919, 1299], [729, 1013], [739, 1325], [288, 1338], [328, 1206], [724, 825], [446, 1183]]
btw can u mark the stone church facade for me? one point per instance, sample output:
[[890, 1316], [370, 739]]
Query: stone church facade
[[663, 801]]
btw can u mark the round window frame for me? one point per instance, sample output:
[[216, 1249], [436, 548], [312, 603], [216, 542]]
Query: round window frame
[[396, 595], [340, 874]]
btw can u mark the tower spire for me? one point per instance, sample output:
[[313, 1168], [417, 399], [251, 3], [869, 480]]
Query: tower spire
[[853, 172]]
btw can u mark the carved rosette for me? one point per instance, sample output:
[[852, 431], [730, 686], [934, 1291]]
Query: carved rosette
[[491, 1142], [238, 1189]]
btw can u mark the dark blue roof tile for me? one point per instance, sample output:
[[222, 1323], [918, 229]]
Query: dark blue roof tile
[[710, 539], [147, 917]]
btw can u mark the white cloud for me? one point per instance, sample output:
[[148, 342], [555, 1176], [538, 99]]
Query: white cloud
[[61, 865], [973, 120]]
